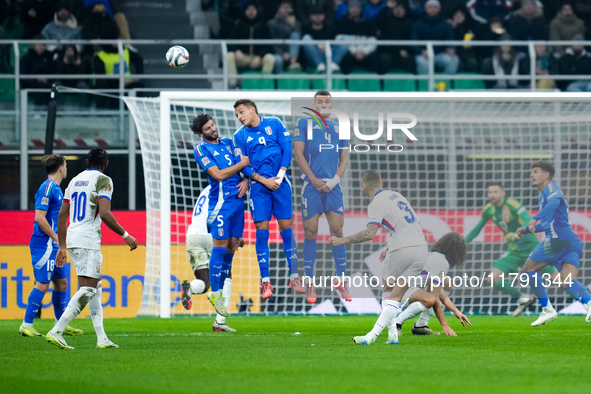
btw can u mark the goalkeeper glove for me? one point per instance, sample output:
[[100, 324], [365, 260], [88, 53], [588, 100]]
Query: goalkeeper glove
[[511, 240], [280, 176], [331, 183]]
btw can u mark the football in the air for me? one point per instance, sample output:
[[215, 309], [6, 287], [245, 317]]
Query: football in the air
[[177, 57]]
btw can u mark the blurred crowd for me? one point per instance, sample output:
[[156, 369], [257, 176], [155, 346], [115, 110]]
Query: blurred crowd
[[364, 23], [68, 20]]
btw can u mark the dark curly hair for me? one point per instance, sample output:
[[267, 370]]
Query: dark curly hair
[[198, 123], [97, 158], [453, 247]]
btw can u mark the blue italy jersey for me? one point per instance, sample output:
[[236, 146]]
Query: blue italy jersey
[[222, 156], [262, 144], [554, 220], [323, 160], [48, 198]]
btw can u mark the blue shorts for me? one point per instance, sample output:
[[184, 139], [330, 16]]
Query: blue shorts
[[264, 202], [315, 202], [43, 259], [226, 219], [554, 251]]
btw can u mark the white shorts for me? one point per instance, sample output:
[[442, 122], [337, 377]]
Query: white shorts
[[87, 262], [199, 250], [404, 263]]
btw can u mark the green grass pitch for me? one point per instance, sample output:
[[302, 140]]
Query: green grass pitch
[[183, 355]]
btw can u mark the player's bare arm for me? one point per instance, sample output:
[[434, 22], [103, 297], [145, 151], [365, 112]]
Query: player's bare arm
[[298, 150], [383, 255], [243, 187], [268, 182], [444, 298], [43, 224], [104, 207], [62, 227], [366, 235], [221, 175]]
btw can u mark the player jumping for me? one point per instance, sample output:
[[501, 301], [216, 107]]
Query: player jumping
[[267, 143], [562, 248], [321, 191], [508, 214], [406, 254], [448, 252], [225, 212], [87, 203], [44, 246], [199, 246]]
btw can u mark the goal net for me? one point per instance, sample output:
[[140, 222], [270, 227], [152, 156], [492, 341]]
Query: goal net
[[463, 142]]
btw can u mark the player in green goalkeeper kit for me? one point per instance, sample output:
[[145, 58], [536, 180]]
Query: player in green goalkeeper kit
[[508, 214]]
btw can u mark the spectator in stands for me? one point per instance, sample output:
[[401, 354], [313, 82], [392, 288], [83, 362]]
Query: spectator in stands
[[489, 15], [372, 9], [583, 10], [565, 25], [35, 14], [395, 24], [434, 27], [545, 65], [255, 57], [528, 23], [342, 10], [63, 27], [506, 61], [98, 23], [462, 26], [106, 61], [114, 13], [229, 12], [285, 27], [362, 51], [315, 53], [575, 61], [37, 61], [303, 9], [69, 61]]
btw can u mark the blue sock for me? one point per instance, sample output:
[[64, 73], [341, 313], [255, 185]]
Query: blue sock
[[262, 249], [33, 305], [309, 256], [291, 250], [216, 261], [539, 290], [58, 298], [226, 265], [340, 259], [579, 290]]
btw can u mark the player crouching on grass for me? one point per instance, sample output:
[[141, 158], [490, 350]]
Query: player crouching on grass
[[448, 252], [87, 203], [561, 248], [199, 245]]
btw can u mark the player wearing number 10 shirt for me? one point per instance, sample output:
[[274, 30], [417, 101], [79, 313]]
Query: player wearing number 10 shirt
[[225, 212]]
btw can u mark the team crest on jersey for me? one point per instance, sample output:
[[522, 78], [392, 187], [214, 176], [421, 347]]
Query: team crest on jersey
[[49, 276], [506, 214], [336, 128], [205, 161], [229, 149], [44, 201], [268, 130], [221, 232]]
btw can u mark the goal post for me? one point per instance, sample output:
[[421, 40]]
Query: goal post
[[464, 140]]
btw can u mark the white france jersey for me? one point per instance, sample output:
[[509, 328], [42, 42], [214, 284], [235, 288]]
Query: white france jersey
[[435, 267], [391, 211], [198, 224], [83, 194]]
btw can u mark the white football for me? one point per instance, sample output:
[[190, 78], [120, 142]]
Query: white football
[[177, 57]]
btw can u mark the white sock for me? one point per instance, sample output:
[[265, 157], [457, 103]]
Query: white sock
[[227, 295], [75, 306], [96, 313], [197, 286], [27, 325], [293, 277], [413, 309], [424, 318], [388, 315], [265, 279], [216, 293]]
